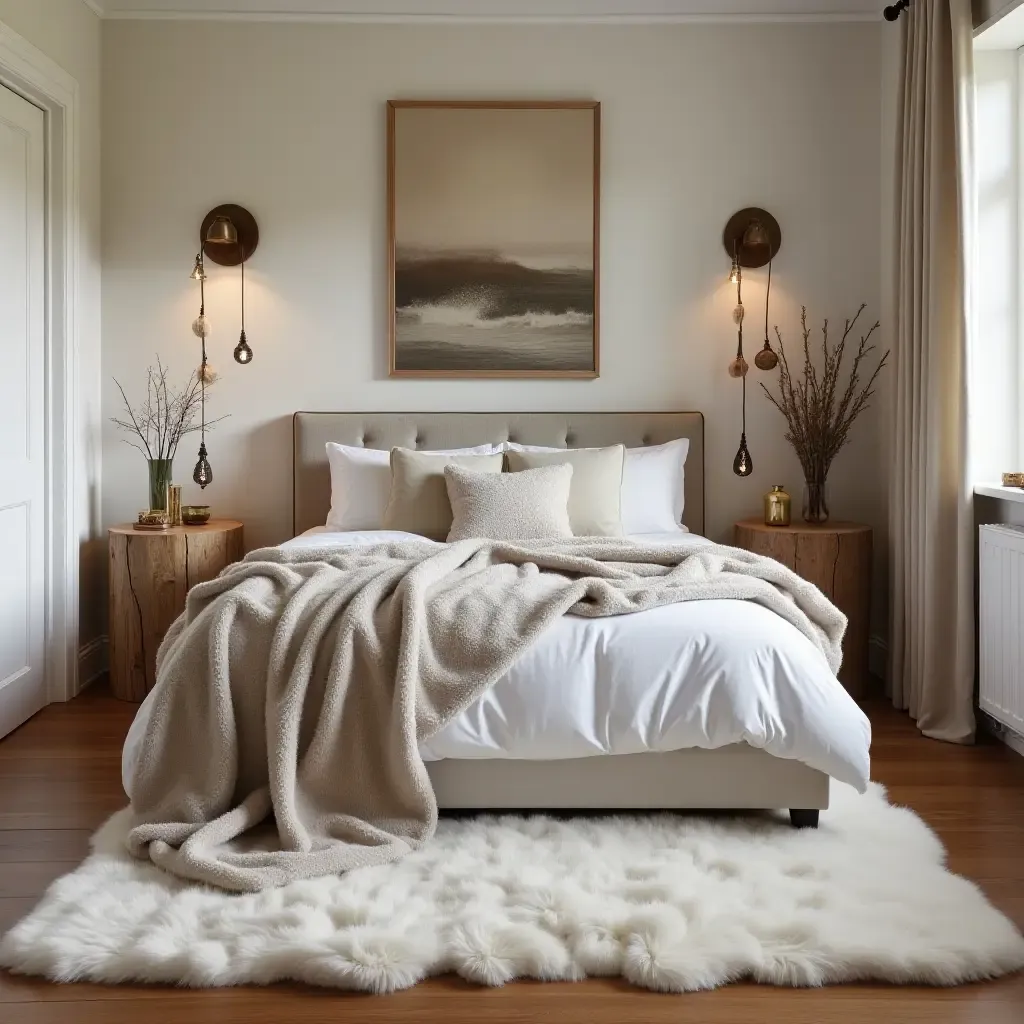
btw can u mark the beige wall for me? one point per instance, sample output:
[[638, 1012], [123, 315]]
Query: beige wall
[[698, 121], [69, 34]]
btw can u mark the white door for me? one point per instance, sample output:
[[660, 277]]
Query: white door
[[22, 412]]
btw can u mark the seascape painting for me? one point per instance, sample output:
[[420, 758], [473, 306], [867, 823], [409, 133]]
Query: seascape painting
[[494, 239]]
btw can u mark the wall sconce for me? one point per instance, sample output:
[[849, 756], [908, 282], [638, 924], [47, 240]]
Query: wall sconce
[[228, 236], [893, 11], [752, 237]]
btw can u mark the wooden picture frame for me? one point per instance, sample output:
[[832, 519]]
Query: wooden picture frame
[[481, 283]]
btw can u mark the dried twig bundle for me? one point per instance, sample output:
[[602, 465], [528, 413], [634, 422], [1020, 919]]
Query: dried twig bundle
[[165, 416], [818, 412]]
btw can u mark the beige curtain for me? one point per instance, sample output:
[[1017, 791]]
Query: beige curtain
[[931, 517]]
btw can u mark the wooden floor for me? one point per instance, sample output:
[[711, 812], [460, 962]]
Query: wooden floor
[[60, 777]]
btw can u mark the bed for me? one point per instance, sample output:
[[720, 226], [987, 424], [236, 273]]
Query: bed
[[743, 757]]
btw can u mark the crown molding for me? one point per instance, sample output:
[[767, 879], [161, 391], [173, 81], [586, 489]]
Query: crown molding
[[492, 19], [498, 12]]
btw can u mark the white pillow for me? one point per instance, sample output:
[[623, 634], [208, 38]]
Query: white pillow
[[652, 485], [361, 483]]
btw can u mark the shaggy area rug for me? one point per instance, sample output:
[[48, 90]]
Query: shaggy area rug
[[669, 902]]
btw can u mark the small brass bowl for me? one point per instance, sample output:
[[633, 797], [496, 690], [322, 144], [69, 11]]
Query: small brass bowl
[[195, 515]]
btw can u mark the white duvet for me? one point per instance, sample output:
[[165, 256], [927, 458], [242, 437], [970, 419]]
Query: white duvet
[[698, 674]]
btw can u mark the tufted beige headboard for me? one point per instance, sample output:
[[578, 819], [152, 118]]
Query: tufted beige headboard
[[427, 430]]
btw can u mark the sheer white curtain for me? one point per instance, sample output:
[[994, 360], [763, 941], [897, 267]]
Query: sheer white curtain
[[931, 518]]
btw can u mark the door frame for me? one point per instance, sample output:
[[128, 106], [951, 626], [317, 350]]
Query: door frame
[[26, 70]]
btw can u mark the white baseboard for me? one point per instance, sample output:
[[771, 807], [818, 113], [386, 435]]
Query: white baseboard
[[878, 657], [92, 662], [1001, 732]]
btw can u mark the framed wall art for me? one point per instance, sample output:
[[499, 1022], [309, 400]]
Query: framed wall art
[[493, 238]]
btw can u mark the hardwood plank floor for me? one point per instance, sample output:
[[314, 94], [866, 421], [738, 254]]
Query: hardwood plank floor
[[60, 777]]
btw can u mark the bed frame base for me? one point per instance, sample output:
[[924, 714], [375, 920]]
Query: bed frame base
[[736, 777]]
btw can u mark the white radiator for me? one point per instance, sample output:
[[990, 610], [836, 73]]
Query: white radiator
[[1001, 622]]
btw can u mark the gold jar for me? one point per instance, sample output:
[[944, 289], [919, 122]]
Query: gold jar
[[776, 507]]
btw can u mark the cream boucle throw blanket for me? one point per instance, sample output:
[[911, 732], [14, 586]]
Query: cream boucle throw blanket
[[294, 689]]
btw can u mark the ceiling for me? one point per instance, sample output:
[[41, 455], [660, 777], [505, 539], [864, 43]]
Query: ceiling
[[494, 10]]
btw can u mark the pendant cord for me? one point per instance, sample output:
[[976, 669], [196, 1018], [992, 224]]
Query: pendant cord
[[243, 296], [739, 303], [202, 366], [767, 296]]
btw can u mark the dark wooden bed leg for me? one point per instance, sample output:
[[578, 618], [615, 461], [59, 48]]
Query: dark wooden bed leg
[[803, 819]]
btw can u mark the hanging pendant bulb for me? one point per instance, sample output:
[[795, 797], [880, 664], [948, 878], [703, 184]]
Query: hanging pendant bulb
[[243, 354], [743, 464], [766, 359], [202, 474], [198, 270], [735, 274]]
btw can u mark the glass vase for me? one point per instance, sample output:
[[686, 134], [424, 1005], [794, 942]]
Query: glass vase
[[815, 503], [159, 478]]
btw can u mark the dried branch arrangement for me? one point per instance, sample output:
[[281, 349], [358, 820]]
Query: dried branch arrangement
[[818, 412], [165, 416]]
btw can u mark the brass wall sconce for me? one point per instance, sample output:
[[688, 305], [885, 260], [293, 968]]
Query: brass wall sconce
[[228, 236], [752, 238]]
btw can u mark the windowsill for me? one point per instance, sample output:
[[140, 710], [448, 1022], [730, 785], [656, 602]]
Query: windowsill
[[1002, 493]]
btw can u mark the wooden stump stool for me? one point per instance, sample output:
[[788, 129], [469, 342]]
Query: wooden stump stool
[[150, 574], [836, 558]]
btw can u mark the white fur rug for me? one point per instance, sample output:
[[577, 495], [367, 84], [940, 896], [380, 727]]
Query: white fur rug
[[670, 903]]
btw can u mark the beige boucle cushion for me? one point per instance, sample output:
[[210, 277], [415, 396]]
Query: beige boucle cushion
[[418, 502], [510, 506], [594, 497]]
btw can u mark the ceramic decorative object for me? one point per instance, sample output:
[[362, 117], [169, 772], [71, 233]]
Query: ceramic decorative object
[[195, 515]]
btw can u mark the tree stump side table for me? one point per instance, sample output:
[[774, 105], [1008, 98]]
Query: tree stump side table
[[150, 574], [836, 558]]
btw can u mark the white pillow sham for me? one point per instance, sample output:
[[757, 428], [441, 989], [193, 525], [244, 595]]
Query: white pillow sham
[[361, 483], [652, 485]]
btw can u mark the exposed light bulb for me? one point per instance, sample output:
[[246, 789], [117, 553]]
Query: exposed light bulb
[[201, 326], [735, 274], [198, 270], [743, 464], [243, 354], [202, 474]]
